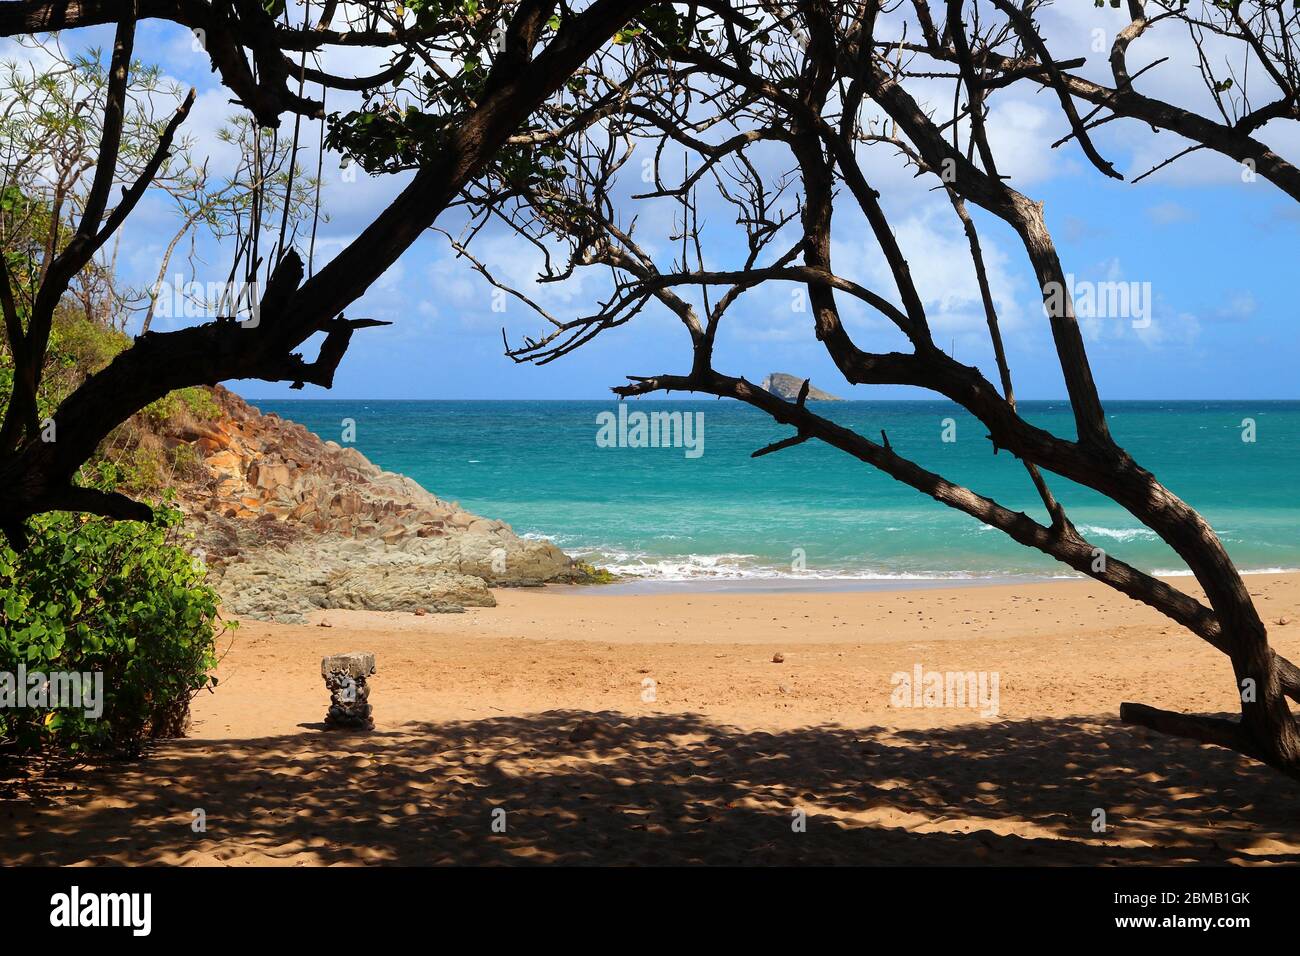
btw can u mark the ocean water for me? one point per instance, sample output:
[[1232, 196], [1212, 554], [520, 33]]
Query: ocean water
[[811, 515]]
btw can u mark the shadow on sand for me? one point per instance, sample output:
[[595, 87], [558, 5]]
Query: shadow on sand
[[667, 789]]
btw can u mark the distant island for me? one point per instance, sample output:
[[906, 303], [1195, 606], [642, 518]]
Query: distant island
[[787, 386]]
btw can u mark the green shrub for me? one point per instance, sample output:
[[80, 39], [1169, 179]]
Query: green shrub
[[187, 462], [162, 410], [196, 400], [142, 468], [200, 403], [117, 598]]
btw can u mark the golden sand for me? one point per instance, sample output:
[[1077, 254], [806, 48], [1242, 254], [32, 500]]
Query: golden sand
[[660, 729]]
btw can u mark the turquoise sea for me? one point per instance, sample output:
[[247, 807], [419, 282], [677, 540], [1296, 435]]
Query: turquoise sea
[[810, 515]]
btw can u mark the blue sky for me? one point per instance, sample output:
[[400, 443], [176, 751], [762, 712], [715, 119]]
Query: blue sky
[[1219, 255]]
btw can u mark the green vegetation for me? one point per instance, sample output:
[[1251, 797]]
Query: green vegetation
[[114, 598], [197, 401]]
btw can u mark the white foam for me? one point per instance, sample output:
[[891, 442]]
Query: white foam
[[1118, 534], [736, 567], [1184, 573]]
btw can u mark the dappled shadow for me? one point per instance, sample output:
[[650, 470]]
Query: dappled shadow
[[669, 789]]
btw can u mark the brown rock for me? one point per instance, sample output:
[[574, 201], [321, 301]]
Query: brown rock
[[229, 487], [226, 462], [268, 475], [195, 431]]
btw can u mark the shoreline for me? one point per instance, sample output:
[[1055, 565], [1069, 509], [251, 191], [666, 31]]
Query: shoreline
[[626, 585]]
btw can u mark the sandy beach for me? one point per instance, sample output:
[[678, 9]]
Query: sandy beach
[[616, 729]]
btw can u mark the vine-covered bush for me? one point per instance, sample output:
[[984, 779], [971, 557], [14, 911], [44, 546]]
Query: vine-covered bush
[[114, 598]]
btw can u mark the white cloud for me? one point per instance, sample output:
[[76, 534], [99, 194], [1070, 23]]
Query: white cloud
[[1170, 214]]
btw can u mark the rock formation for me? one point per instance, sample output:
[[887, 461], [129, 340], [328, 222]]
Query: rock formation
[[787, 387], [288, 523]]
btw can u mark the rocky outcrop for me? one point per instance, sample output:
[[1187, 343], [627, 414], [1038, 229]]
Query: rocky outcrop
[[788, 386], [288, 523]]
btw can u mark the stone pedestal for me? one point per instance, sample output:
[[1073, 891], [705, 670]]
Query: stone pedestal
[[345, 677]]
